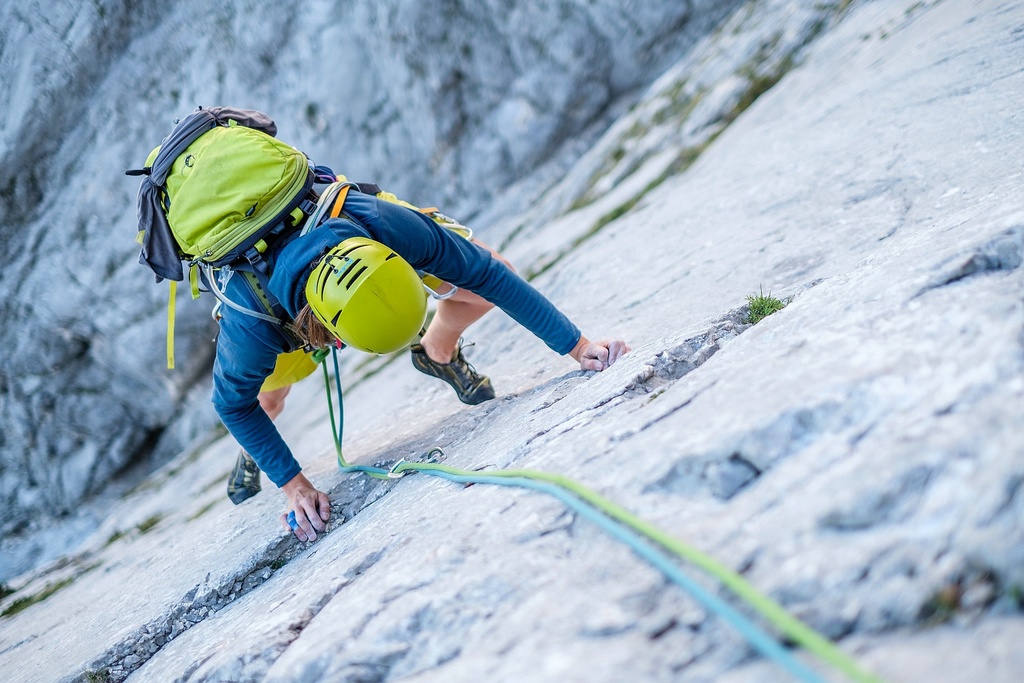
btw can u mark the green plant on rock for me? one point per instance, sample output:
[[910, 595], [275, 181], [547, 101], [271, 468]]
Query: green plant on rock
[[115, 537], [203, 510], [23, 603], [762, 305], [101, 676], [149, 523]]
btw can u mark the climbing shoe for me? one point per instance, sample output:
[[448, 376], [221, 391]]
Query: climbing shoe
[[244, 480], [470, 387]]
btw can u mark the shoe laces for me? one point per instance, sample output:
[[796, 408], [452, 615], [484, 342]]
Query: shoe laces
[[463, 366]]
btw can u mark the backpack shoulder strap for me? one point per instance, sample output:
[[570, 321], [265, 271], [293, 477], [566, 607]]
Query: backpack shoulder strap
[[270, 313], [258, 283]]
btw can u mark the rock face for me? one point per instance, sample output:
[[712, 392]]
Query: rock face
[[855, 456], [445, 101]]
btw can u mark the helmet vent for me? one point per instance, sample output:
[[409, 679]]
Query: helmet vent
[[348, 251], [352, 263], [334, 320], [355, 277], [323, 281], [391, 256]]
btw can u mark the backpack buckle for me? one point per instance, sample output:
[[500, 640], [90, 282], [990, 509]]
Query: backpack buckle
[[301, 212], [255, 259]]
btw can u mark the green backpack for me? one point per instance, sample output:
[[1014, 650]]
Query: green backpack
[[216, 189], [229, 189], [215, 194]]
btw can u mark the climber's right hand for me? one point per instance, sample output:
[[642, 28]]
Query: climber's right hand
[[308, 509]]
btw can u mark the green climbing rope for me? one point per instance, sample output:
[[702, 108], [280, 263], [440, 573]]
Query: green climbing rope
[[798, 632]]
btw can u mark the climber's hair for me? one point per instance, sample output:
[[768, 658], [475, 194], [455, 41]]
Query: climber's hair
[[310, 330]]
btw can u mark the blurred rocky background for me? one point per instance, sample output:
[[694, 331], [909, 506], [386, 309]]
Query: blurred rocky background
[[649, 166]]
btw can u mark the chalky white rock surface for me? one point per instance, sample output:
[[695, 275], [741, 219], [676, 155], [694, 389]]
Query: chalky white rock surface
[[856, 455]]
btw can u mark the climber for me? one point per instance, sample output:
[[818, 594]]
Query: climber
[[353, 279]]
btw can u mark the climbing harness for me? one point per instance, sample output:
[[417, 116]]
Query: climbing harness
[[644, 539]]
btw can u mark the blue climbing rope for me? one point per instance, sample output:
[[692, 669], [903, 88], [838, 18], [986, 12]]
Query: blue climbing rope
[[761, 641], [637, 535]]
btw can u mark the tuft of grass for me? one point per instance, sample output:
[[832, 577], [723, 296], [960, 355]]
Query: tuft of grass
[[5, 590], [142, 527], [762, 305], [148, 524], [100, 676], [23, 603], [203, 510], [758, 84], [114, 537]]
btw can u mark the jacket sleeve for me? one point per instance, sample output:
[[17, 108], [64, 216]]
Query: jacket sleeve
[[430, 247], [247, 349]]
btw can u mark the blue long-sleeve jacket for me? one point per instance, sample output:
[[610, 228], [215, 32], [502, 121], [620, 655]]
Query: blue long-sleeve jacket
[[247, 347]]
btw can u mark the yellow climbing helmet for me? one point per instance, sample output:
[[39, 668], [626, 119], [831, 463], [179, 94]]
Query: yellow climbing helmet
[[367, 296]]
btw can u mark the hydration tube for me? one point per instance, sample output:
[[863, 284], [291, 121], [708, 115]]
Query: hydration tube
[[642, 538]]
